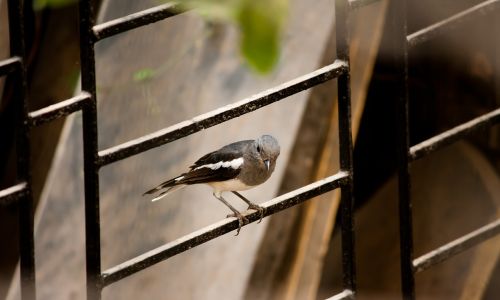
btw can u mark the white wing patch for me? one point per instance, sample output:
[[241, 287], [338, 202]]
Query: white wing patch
[[235, 164]]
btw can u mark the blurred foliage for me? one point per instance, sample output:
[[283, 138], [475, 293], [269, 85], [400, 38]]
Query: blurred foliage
[[41, 4], [261, 23], [144, 74]]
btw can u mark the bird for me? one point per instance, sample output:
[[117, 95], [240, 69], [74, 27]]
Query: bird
[[235, 167]]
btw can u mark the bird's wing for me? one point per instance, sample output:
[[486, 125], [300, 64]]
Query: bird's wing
[[223, 164], [226, 153], [220, 165], [205, 175]]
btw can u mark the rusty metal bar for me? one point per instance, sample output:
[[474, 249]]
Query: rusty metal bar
[[59, 109], [13, 193], [26, 209], [345, 294], [215, 230], [132, 21], [446, 138], [222, 114], [452, 22], [400, 54], [345, 146], [90, 156], [9, 65], [457, 246]]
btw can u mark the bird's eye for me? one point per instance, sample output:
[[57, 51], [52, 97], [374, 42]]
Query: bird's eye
[[258, 148]]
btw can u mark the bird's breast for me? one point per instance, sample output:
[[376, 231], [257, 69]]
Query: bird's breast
[[229, 185]]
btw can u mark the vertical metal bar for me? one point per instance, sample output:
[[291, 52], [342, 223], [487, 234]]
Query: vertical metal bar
[[345, 143], [399, 25], [90, 152], [26, 214], [496, 30]]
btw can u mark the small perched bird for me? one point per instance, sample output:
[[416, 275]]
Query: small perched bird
[[236, 167]]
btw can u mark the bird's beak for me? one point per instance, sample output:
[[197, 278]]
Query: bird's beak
[[267, 163]]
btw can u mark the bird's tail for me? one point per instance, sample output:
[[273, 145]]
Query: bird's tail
[[168, 191], [169, 186]]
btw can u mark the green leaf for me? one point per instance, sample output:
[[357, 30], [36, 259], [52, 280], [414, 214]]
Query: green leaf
[[144, 74], [41, 4], [213, 10], [261, 24]]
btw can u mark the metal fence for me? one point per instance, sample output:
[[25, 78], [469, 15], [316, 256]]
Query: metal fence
[[94, 159], [408, 154]]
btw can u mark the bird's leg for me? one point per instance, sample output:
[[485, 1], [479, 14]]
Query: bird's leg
[[252, 205], [241, 219]]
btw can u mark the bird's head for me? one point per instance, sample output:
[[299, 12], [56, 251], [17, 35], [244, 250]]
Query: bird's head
[[267, 149]]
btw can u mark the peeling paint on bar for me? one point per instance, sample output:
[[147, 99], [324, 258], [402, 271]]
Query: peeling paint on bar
[[132, 21], [457, 246], [59, 109], [9, 65], [13, 193], [446, 138], [444, 26], [346, 294]]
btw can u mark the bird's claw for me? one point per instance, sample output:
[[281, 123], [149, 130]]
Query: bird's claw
[[258, 208], [242, 220]]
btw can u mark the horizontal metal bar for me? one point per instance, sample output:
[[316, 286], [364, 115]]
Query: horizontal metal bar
[[12, 193], [457, 246], [221, 114], [215, 230], [354, 4], [135, 20], [9, 65], [59, 109], [443, 139], [346, 294], [451, 22]]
